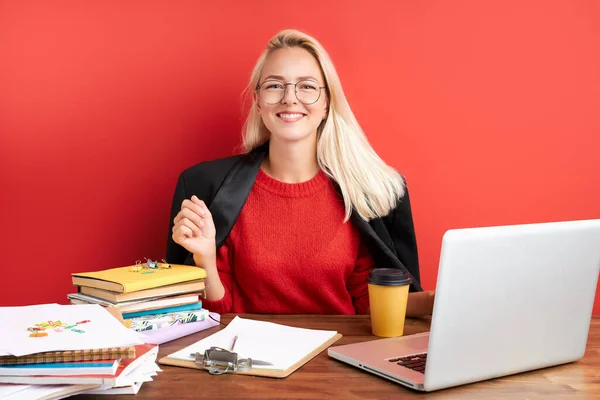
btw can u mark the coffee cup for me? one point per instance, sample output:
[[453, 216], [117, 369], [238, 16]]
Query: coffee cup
[[388, 296]]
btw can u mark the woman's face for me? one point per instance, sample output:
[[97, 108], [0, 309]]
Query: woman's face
[[286, 114]]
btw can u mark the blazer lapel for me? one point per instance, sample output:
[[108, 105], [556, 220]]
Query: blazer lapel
[[233, 193], [383, 256]]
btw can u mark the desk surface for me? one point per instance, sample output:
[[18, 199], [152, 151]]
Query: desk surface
[[324, 377]]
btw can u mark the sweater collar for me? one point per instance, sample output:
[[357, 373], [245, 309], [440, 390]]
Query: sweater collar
[[284, 189]]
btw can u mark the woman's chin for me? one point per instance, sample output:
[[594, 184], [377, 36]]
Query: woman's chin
[[290, 135]]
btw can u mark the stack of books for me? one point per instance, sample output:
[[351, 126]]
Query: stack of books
[[149, 296], [106, 371], [52, 351]]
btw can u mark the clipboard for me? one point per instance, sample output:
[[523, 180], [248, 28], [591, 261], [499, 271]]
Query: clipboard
[[265, 372], [262, 339]]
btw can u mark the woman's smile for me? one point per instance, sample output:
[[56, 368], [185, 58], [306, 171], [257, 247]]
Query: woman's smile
[[290, 117]]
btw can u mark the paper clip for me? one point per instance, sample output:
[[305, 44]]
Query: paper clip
[[137, 267], [151, 264]]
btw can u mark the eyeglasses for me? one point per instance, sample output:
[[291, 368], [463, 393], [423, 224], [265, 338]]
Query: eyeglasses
[[273, 91]]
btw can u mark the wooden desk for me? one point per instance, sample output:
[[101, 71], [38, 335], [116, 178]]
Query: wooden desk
[[324, 377]]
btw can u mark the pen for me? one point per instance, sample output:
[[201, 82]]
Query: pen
[[233, 343]]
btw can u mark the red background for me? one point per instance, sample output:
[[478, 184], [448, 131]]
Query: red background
[[490, 109]]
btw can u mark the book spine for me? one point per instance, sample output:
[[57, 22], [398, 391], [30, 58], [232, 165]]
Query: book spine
[[70, 355], [164, 310], [152, 322]]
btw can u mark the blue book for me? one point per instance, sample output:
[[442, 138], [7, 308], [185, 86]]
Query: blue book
[[165, 310], [108, 367]]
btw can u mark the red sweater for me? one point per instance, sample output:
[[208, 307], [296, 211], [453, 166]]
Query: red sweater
[[290, 252]]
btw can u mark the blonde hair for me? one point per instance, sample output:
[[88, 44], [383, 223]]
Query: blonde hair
[[366, 182]]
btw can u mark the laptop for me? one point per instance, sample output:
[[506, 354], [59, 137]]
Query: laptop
[[509, 299]]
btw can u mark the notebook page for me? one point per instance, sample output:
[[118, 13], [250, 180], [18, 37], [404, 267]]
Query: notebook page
[[79, 327], [278, 344]]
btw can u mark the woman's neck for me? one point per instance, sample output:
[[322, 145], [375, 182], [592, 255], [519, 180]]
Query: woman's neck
[[291, 162]]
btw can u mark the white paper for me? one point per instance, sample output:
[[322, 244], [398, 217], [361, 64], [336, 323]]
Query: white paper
[[14, 312], [7, 389], [28, 392], [144, 372], [103, 330], [280, 345], [133, 389]]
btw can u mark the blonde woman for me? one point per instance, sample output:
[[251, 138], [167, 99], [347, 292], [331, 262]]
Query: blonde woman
[[296, 223]]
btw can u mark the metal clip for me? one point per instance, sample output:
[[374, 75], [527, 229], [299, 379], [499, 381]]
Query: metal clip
[[219, 361]]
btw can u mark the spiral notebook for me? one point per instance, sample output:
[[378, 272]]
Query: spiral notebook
[[111, 353], [286, 348]]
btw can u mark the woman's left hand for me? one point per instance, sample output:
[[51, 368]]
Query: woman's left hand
[[420, 303]]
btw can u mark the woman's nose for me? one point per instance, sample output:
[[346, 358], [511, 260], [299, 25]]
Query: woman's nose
[[289, 94]]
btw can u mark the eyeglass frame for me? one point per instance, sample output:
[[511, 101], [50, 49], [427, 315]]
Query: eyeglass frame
[[285, 85]]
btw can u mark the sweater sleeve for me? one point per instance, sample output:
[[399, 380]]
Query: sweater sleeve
[[225, 304], [357, 282]]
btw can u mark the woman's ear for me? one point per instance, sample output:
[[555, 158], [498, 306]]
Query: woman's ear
[[256, 102]]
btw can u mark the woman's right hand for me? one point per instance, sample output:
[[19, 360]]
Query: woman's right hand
[[194, 229]]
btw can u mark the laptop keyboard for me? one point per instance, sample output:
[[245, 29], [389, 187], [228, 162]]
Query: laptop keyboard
[[415, 362]]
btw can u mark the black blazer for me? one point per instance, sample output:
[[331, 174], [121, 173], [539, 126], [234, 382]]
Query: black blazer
[[224, 185]]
